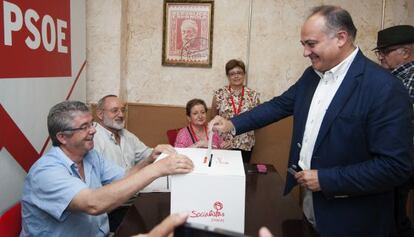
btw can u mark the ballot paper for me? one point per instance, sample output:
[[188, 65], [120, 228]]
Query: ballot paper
[[214, 195], [160, 185], [210, 144]]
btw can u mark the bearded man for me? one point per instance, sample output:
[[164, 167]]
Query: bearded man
[[114, 142]]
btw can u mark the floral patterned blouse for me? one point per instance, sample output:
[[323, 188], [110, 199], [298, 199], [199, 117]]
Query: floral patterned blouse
[[225, 109]]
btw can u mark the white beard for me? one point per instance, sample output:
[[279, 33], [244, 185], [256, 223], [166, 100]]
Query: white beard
[[117, 125]]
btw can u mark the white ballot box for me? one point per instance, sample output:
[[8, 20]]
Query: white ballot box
[[212, 195]]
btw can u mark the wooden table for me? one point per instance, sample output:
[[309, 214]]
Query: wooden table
[[265, 206]]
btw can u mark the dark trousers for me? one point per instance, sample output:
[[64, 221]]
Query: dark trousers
[[115, 217], [310, 227], [403, 226]]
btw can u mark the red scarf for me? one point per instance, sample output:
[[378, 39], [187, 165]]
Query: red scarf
[[236, 112]]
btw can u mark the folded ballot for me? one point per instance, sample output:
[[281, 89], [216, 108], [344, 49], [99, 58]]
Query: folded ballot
[[214, 192], [160, 185]]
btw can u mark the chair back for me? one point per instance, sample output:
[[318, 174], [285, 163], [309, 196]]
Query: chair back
[[172, 135], [11, 221]]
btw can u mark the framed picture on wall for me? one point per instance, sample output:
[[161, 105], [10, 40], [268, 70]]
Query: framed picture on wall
[[188, 33]]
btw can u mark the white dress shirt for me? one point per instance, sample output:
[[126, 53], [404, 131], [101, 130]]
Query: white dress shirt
[[126, 154], [322, 98]]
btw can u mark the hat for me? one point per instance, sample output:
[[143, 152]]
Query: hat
[[395, 35]]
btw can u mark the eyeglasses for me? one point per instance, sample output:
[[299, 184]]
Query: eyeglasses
[[82, 128], [118, 110], [385, 52], [232, 74]]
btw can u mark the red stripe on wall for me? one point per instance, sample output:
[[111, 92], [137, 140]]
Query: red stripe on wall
[[16, 142], [76, 80]]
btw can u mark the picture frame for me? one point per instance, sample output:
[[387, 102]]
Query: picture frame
[[188, 33]]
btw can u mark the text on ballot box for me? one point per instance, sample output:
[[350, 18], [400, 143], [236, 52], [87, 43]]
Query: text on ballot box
[[214, 195]]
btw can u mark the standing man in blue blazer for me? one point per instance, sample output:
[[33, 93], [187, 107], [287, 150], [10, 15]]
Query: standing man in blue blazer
[[352, 134]]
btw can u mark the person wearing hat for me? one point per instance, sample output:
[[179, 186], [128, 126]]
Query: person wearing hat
[[395, 52]]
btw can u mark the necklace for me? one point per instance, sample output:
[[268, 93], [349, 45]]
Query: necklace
[[194, 134], [236, 112]]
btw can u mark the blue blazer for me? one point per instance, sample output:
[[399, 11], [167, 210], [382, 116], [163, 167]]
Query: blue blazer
[[362, 151]]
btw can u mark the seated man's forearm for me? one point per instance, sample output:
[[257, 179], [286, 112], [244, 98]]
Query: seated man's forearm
[[108, 197]]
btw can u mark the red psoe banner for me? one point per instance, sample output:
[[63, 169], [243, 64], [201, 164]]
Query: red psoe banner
[[35, 38]]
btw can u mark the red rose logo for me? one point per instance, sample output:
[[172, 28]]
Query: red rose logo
[[218, 206]]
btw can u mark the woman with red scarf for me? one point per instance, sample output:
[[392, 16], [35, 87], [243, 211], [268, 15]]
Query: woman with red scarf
[[233, 99], [196, 134]]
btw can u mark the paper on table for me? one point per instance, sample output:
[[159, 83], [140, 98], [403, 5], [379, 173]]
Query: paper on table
[[159, 185]]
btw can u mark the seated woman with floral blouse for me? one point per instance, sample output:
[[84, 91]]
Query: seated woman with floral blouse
[[196, 134]]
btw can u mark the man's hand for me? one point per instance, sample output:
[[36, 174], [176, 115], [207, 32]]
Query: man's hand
[[308, 179], [220, 124], [265, 232], [173, 164], [166, 228], [163, 148]]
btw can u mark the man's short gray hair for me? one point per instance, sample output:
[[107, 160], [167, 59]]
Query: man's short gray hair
[[101, 102], [336, 18], [61, 117]]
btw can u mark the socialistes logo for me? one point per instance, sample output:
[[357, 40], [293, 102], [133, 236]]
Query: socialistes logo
[[216, 215], [35, 39]]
